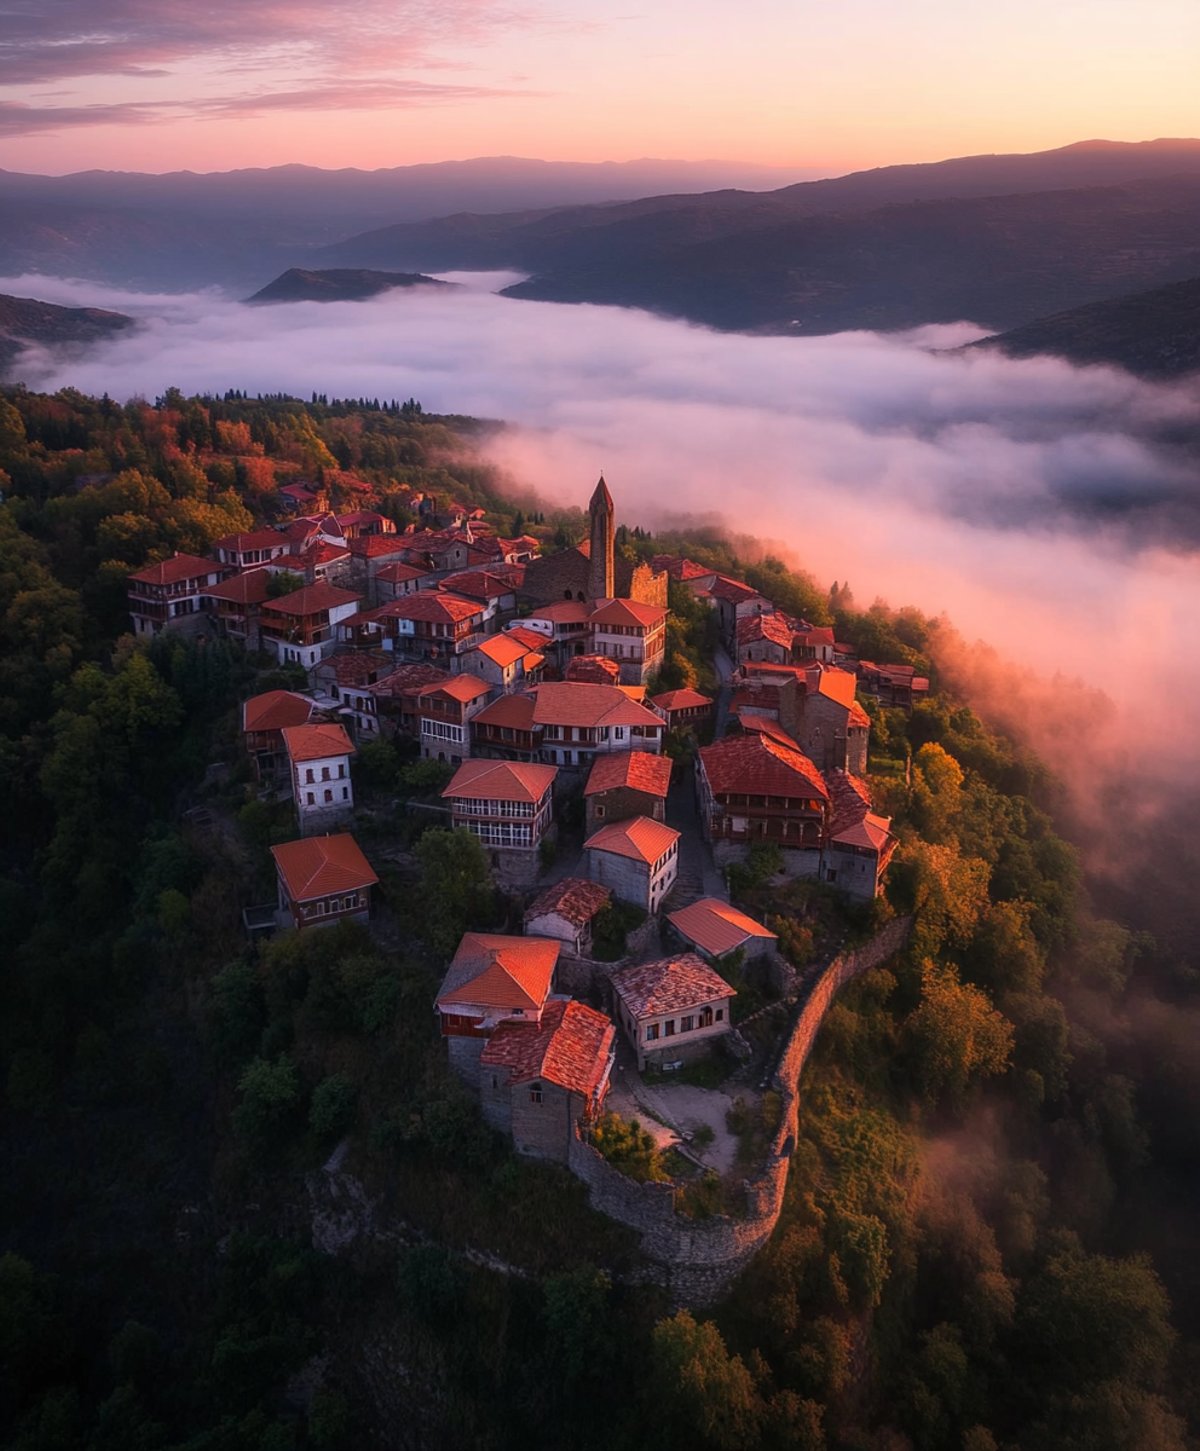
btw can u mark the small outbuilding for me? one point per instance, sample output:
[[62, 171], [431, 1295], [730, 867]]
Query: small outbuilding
[[671, 1010], [714, 929]]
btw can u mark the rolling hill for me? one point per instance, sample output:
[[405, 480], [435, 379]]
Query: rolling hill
[[24, 320], [298, 284]]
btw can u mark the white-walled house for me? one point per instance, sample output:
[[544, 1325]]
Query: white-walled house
[[638, 859], [319, 758], [301, 627], [671, 1010]]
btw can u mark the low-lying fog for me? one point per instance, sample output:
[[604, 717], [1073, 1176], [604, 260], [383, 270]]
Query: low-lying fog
[[1050, 510]]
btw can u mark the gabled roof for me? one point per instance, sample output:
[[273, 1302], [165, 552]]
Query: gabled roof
[[776, 628], [434, 606], [567, 702], [570, 1048], [254, 539], [685, 699], [250, 588], [463, 688], [356, 667], [500, 781], [408, 679], [313, 599], [767, 726], [670, 985], [502, 650], [376, 546], [837, 685], [815, 634], [629, 613], [853, 822], [313, 742], [397, 572], [477, 584], [757, 765], [534, 639], [733, 590], [637, 770], [716, 927], [563, 612], [512, 711], [640, 839], [573, 899], [176, 569], [365, 516], [491, 971], [858, 716], [680, 568], [320, 866], [274, 710]]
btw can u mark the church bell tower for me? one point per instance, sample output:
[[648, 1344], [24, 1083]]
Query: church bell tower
[[603, 531]]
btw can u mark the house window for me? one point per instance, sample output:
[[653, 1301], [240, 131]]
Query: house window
[[311, 798], [651, 1032], [345, 793], [308, 777], [535, 1093], [685, 1024], [328, 796], [720, 1015], [670, 1028], [600, 812]]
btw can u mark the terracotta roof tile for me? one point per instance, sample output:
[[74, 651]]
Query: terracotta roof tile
[[178, 568], [253, 539], [313, 599], [775, 628], [274, 710], [313, 742], [574, 899], [378, 546], [434, 606], [571, 1047], [533, 638], [628, 613], [512, 711], [409, 678], [320, 866], [250, 588], [491, 971], [357, 667], [685, 699], [502, 650], [637, 770], [716, 927], [398, 572], [500, 781], [463, 688], [733, 590], [757, 765], [578, 704], [477, 584], [671, 985], [640, 839]]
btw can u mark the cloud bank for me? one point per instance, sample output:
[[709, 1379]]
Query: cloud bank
[[1050, 510]]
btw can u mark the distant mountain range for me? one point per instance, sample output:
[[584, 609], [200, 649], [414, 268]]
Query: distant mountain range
[[24, 321], [338, 284], [1154, 334]]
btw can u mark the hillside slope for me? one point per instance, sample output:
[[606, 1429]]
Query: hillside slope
[[24, 320], [338, 284]]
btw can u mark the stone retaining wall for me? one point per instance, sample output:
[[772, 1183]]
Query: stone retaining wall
[[697, 1260], [584, 976]]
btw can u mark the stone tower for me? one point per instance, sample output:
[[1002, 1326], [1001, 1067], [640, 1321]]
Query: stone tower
[[604, 528]]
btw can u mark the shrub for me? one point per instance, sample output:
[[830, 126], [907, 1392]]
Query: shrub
[[628, 1147], [332, 1106]]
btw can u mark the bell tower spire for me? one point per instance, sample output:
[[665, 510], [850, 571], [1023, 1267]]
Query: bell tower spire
[[603, 532]]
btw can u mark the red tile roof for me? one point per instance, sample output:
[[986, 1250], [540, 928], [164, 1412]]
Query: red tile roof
[[376, 546], [858, 716], [397, 572], [854, 823], [765, 725], [274, 710], [571, 1047], [477, 584], [321, 866], [314, 742], [408, 678], [254, 539], [365, 516], [593, 669], [503, 650], [356, 667], [563, 612], [756, 765], [512, 711], [434, 606], [250, 588], [533, 638], [491, 971], [463, 688], [716, 927], [685, 699], [733, 590], [573, 899], [566, 702], [671, 985], [629, 613], [775, 628], [500, 781], [637, 770], [313, 599], [640, 839], [176, 569]]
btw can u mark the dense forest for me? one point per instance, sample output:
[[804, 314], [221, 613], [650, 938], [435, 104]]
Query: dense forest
[[988, 1239]]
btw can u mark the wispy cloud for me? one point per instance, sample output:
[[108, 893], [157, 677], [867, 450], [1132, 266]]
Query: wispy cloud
[[373, 55]]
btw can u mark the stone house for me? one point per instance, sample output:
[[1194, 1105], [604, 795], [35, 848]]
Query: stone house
[[671, 1010], [766, 638], [509, 806], [505, 730], [347, 676], [860, 844], [430, 625], [735, 601], [896, 685], [173, 595], [713, 929], [396, 579], [235, 604], [495, 589], [443, 714], [397, 698], [754, 788], [638, 859], [816, 705], [263, 720], [567, 910], [538, 1081], [301, 627], [627, 784], [492, 979], [632, 634], [502, 661], [592, 670], [563, 627], [319, 760], [322, 880]]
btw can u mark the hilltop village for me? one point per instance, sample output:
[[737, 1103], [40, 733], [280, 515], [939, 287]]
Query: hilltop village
[[610, 807]]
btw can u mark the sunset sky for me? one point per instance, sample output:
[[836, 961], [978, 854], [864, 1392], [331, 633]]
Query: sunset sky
[[134, 85]]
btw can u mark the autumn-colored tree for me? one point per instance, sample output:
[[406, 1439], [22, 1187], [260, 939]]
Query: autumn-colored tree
[[955, 1035]]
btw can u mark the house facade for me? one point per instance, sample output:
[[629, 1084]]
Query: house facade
[[319, 761], [264, 718], [637, 859], [301, 627], [567, 911], [492, 979], [443, 717], [625, 784], [509, 806], [672, 1010], [323, 880], [753, 788], [579, 722], [632, 634], [173, 595]]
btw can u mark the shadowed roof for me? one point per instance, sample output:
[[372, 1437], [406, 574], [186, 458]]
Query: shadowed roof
[[321, 866], [176, 569], [274, 710]]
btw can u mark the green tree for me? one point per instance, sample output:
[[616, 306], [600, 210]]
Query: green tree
[[456, 888], [270, 1092], [955, 1035]]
